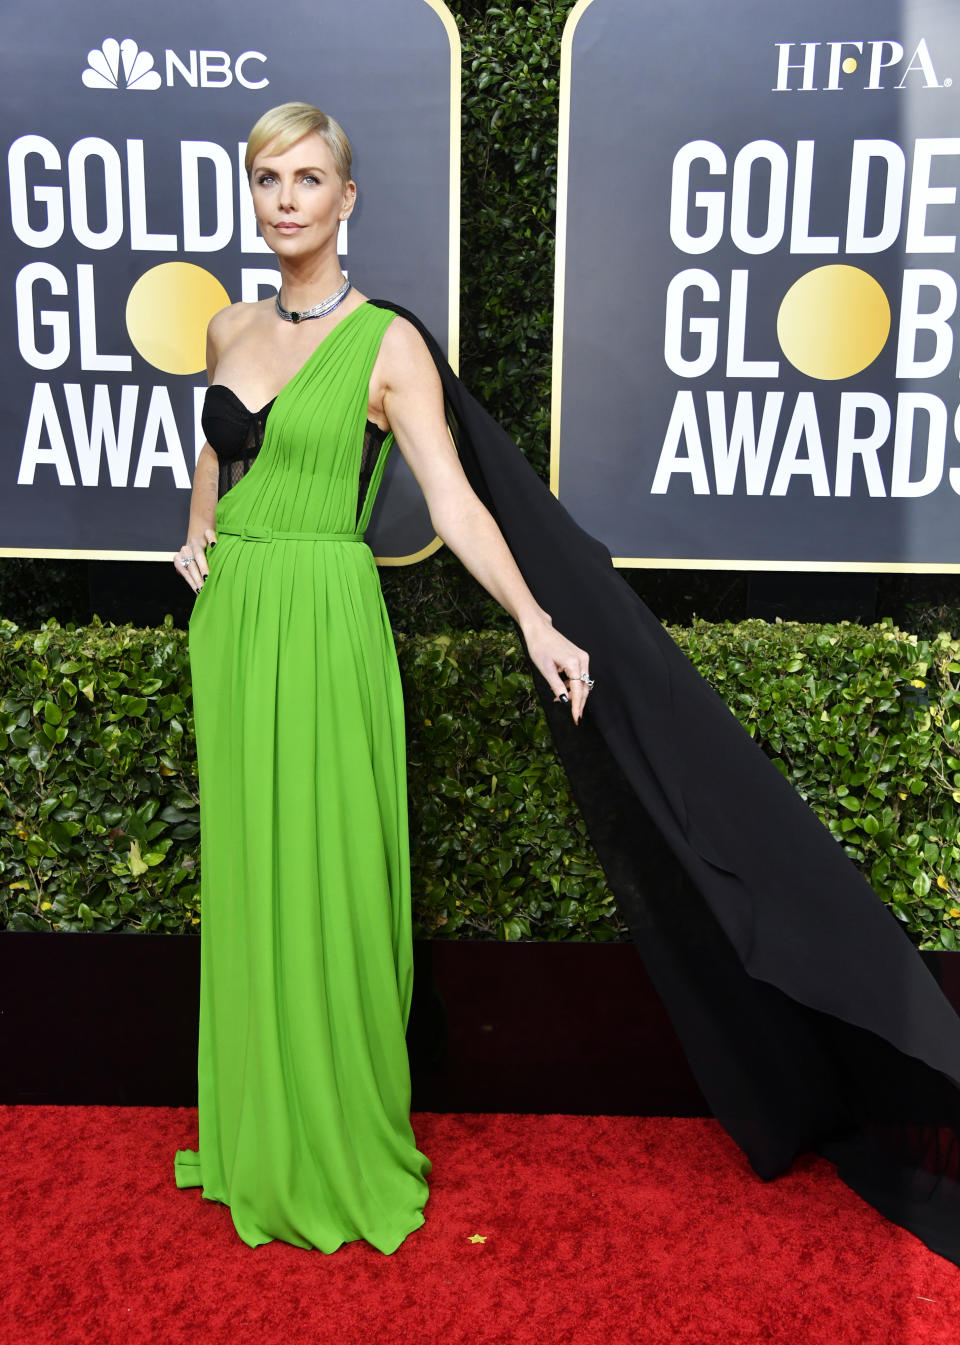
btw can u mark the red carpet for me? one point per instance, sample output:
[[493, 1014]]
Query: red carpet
[[598, 1229]]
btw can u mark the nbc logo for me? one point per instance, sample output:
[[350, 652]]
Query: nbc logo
[[122, 65], [103, 66]]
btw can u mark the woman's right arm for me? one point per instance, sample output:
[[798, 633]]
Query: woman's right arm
[[200, 529], [203, 498]]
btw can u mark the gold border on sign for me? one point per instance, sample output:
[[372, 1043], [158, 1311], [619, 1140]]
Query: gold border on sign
[[453, 321], [75, 553], [810, 566], [622, 562], [556, 390], [453, 248], [422, 554], [456, 66], [560, 272]]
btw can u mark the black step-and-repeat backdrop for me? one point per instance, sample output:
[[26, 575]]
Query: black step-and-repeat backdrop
[[757, 299], [128, 223]]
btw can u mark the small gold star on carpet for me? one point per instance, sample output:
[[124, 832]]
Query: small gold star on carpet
[[476, 1238]]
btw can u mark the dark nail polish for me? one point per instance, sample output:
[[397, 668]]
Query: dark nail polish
[[565, 699]]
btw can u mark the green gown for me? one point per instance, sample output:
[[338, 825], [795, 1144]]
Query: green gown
[[306, 949]]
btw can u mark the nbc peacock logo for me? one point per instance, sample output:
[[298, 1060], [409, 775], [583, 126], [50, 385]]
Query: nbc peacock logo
[[116, 65]]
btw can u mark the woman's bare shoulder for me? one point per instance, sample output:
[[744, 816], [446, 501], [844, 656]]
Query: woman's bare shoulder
[[229, 323], [403, 347]]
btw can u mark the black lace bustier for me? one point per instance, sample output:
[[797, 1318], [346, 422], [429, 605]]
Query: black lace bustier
[[235, 433]]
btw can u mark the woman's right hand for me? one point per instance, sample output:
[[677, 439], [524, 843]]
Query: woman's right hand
[[191, 559]]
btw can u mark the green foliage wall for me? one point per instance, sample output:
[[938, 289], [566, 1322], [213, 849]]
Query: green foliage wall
[[99, 805], [511, 88]]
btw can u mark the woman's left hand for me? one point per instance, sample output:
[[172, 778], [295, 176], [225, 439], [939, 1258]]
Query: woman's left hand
[[558, 658]]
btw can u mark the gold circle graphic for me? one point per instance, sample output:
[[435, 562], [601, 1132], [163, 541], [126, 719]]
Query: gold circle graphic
[[167, 315], [833, 322], [849, 65]]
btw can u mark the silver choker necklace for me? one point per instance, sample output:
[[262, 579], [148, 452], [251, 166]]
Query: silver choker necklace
[[319, 310]]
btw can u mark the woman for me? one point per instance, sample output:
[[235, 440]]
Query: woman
[[306, 946], [810, 1021]]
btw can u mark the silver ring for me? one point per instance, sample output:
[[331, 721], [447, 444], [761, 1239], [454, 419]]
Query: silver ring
[[587, 681], [186, 560]]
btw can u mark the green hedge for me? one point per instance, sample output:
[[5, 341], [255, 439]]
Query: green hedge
[[98, 809], [510, 99]]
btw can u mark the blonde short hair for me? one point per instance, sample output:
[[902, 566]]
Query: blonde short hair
[[283, 126]]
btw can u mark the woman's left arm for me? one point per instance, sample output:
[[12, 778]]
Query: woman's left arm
[[412, 399]]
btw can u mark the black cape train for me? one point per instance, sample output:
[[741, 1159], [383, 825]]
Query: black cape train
[[808, 1018]]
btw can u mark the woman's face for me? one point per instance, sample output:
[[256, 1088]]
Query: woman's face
[[298, 197]]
